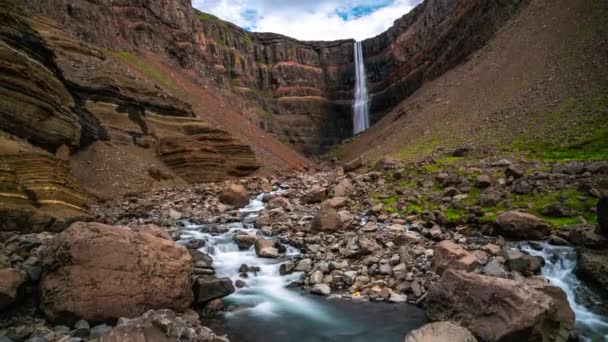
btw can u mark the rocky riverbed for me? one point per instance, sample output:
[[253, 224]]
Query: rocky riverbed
[[370, 248]]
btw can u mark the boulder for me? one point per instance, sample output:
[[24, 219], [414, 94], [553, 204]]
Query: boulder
[[449, 254], [343, 189], [207, 288], [497, 309], [10, 280], [489, 198], [235, 195], [315, 195], [592, 266], [265, 248], [518, 225], [329, 218], [483, 181], [602, 216], [440, 332], [98, 272], [244, 241], [162, 326], [321, 289], [515, 171]]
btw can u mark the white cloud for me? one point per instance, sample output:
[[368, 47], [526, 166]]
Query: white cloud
[[310, 19]]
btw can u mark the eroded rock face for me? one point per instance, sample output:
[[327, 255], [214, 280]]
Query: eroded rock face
[[98, 272], [38, 193], [496, 309], [518, 225], [207, 154], [440, 331]]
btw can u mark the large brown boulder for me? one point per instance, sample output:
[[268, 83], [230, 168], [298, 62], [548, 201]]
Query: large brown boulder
[[439, 332], [10, 280], [98, 272], [449, 254], [518, 225], [162, 326], [497, 309], [236, 195]]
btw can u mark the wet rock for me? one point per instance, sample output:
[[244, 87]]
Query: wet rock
[[10, 281], [244, 241], [162, 326], [586, 235], [265, 248], [207, 288], [94, 272], [518, 225], [321, 289], [440, 331], [592, 266], [235, 195], [495, 309]]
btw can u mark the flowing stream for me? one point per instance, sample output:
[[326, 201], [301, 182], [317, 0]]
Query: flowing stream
[[268, 310], [361, 101], [560, 262]]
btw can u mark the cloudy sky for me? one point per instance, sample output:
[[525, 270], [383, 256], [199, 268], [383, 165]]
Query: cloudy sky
[[311, 19]]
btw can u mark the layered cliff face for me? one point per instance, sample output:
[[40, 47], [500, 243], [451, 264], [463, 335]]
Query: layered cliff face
[[301, 92], [436, 36], [63, 101]]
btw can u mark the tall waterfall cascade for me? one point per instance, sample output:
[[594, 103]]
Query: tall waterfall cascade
[[361, 101]]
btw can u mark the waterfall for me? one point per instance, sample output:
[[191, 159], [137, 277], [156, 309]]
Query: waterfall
[[360, 106]]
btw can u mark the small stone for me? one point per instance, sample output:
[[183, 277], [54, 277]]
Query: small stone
[[304, 265]]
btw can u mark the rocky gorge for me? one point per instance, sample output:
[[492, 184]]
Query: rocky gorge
[[153, 183]]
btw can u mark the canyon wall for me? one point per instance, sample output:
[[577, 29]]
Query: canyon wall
[[301, 92]]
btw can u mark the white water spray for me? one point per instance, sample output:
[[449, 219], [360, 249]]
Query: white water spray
[[361, 105]]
